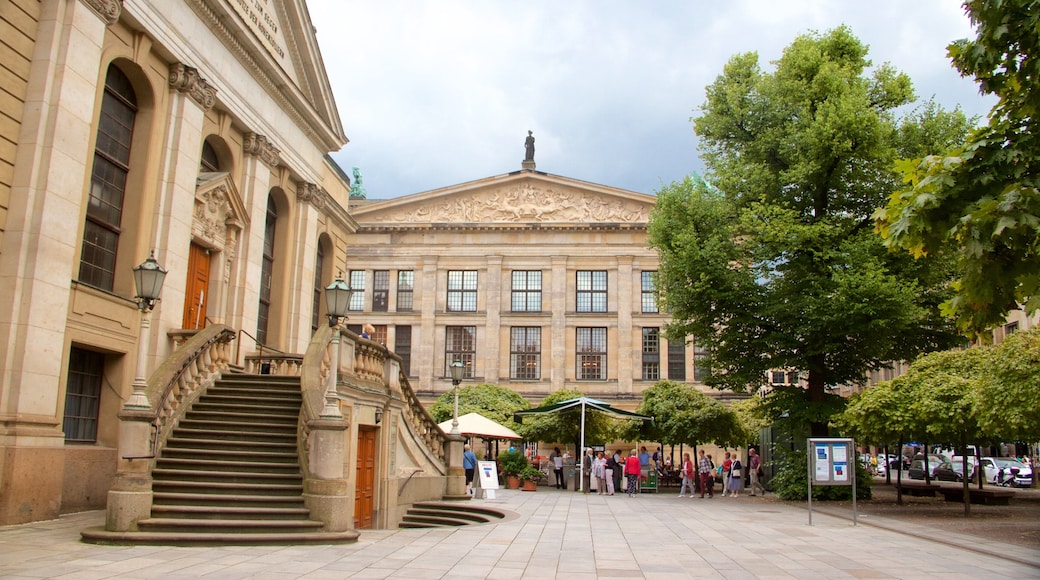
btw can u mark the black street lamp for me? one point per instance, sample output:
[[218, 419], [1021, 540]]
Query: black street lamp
[[458, 371], [337, 303], [148, 280]]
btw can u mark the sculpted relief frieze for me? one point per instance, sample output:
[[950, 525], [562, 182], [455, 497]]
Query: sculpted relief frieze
[[523, 203], [212, 212]]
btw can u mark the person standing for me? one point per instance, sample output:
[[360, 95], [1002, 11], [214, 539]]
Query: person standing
[[726, 463], [557, 461], [735, 482], [619, 469], [599, 471], [469, 463], [704, 468], [632, 470], [755, 465], [586, 470], [687, 476]]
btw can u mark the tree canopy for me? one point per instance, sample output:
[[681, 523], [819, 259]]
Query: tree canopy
[[684, 415], [492, 401], [979, 200], [774, 264], [565, 426]]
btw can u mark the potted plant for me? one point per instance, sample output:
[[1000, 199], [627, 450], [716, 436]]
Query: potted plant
[[529, 478], [512, 463]]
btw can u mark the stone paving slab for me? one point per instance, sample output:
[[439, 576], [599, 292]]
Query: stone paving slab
[[558, 534]]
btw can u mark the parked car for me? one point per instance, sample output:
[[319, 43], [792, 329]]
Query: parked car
[[950, 471], [992, 468], [916, 470]]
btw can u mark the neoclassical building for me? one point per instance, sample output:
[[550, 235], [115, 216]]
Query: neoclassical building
[[536, 282], [197, 129]]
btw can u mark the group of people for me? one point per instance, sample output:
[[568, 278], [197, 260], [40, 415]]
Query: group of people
[[604, 472]]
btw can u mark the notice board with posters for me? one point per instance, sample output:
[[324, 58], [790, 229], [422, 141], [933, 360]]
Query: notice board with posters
[[832, 461]]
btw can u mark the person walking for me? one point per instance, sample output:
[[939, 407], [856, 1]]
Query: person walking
[[632, 470], [687, 471], [704, 469], [755, 467], [469, 463], [736, 477]]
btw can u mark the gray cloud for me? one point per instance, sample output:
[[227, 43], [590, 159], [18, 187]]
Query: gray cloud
[[441, 92]]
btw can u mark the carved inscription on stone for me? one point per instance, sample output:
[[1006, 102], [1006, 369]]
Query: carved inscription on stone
[[524, 203]]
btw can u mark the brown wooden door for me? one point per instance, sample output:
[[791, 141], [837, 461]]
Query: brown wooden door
[[198, 288], [364, 495]]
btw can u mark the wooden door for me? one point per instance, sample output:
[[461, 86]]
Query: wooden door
[[364, 494], [197, 288]]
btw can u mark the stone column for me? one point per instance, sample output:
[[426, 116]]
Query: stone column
[[493, 320], [629, 351], [558, 305], [427, 339]]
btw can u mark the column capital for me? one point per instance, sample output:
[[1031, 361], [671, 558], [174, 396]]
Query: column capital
[[186, 79], [256, 144], [107, 10], [313, 193]]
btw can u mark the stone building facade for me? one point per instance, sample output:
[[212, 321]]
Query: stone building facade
[[536, 282], [195, 128]]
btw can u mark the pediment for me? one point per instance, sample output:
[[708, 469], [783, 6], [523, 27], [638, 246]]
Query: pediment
[[218, 209], [524, 197]]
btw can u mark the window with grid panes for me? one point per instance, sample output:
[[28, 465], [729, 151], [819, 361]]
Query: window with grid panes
[[591, 291], [527, 291], [676, 360], [591, 353], [380, 290], [266, 272], [649, 295], [405, 286], [403, 347], [83, 395], [701, 370], [651, 354], [462, 291], [319, 289], [357, 284], [378, 334], [108, 182], [525, 353], [460, 344]]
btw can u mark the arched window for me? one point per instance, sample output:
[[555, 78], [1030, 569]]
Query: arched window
[[266, 272], [319, 289], [209, 163], [108, 181]]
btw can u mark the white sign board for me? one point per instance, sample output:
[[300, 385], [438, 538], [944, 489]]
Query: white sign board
[[487, 475]]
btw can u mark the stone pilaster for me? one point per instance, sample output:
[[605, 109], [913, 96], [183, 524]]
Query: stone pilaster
[[629, 351], [558, 341], [493, 321]]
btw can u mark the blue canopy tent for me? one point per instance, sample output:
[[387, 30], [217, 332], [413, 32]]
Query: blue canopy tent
[[585, 404]]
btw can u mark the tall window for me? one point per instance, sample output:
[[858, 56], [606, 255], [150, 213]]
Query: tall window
[[525, 352], [403, 347], [701, 368], [357, 284], [319, 289], [676, 360], [405, 286], [651, 354], [527, 291], [209, 162], [108, 181], [592, 291], [380, 290], [266, 272], [591, 355], [83, 395], [460, 345], [462, 291], [649, 294]]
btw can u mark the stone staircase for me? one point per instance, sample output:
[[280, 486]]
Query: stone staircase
[[230, 473], [448, 514]]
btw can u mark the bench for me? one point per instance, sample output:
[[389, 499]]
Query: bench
[[979, 496], [918, 489]]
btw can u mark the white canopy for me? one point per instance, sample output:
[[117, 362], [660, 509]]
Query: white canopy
[[477, 425]]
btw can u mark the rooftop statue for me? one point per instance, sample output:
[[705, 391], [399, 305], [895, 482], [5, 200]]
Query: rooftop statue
[[529, 146], [357, 190]]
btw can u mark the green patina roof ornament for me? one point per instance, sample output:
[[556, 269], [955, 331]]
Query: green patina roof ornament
[[357, 190]]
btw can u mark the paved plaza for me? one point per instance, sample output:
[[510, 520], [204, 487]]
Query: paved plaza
[[556, 534]]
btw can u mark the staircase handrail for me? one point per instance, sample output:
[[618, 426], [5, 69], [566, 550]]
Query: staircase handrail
[[177, 381]]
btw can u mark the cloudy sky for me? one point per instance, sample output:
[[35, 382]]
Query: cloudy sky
[[435, 93]]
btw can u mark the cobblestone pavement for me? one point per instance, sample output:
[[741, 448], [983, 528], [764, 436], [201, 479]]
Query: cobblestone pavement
[[559, 534]]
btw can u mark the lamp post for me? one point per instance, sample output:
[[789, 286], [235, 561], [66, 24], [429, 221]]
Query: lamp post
[[458, 370], [337, 303], [148, 280]]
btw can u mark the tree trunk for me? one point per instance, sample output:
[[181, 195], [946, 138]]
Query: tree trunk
[[816, 393], [899, 475], [964, 467]]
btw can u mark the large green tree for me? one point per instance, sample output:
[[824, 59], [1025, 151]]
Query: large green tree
[[492, 401], [774, 265], [684, 415], [565, 426], [1009, 392], [980, 199]]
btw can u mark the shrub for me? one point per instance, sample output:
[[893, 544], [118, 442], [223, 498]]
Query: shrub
[[790, 482], [512, 462]]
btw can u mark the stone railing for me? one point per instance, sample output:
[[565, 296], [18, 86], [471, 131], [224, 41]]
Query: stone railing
[[422, 423], [197, 363], [274, 364], [369, 360]]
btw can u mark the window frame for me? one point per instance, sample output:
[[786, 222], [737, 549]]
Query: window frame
[[590, 292], [460, 344], [590, 352], [461, 291], [522, 294], [525, 353], [651, 353], [405, 295]]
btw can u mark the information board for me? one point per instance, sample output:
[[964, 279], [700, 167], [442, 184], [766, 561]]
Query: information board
[[830, 461], [487, 471]]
